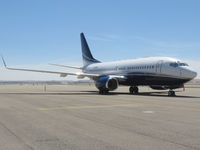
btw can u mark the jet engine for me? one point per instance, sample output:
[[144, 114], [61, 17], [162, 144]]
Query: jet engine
[[107, 83]]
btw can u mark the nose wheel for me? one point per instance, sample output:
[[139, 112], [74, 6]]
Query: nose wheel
[[133, 90], [171, 93]]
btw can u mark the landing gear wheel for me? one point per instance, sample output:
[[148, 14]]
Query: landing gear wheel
[[103, 92], [100, 91], [171, 93], [133, 90]]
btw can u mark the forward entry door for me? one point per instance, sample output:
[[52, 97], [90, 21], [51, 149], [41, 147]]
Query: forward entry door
[[159, 67]]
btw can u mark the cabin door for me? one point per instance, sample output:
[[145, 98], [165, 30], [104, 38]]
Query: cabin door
[[159, 67]]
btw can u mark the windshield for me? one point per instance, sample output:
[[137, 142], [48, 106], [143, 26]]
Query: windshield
[[177, 64], [183, 64]]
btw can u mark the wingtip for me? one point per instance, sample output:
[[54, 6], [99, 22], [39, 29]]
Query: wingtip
[[4, 62]]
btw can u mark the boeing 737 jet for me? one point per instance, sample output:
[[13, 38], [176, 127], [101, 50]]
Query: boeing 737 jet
[[159, 73]]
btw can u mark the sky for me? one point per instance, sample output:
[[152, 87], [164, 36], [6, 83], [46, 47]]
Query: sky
[[34, 33]]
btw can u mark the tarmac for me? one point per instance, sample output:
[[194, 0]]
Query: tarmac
[[75, 117]]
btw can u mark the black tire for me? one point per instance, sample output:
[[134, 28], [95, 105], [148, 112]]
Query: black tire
[[133, 90], [103, 92], [171, 93], [100, 92], [136, 90]]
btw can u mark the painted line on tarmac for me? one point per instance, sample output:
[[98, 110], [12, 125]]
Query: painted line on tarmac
[[119, 105], [148, 112], [91, 107]]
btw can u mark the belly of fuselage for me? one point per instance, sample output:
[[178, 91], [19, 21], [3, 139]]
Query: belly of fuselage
[[153, 80]]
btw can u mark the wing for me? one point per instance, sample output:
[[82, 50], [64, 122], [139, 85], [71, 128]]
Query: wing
[[62, 74]]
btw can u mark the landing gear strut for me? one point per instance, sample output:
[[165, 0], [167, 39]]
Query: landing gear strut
[[171, 93], [133, 90], [103, 92]]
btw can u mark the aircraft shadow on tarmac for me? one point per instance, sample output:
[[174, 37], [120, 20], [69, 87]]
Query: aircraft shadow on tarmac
[[157, 94]]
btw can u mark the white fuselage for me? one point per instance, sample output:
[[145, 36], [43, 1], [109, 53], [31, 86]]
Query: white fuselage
[[154, 66]]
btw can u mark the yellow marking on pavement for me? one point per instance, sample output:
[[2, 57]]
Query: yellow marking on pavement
[[183, 108], [119, 105], [90, 107], [173, 107]]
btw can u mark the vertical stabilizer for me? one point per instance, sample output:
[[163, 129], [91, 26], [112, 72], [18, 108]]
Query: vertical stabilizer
[[86, 54]]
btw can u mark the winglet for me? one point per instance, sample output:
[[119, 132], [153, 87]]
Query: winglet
[[4, 62]]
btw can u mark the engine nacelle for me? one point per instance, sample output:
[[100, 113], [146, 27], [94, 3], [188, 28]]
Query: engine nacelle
[[107, 83]]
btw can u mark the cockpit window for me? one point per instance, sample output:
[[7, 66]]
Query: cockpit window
[[178, 64], [174, 64], [183, 64]]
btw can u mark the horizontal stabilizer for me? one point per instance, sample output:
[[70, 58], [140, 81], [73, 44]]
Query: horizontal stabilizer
[[66, 66]]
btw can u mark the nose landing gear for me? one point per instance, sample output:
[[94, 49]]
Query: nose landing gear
[[171, 93], [133, 90]]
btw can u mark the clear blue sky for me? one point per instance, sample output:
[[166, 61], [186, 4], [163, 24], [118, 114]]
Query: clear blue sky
[[35, 32]]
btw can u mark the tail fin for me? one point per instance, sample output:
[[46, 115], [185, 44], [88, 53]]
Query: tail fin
[[86, 54]]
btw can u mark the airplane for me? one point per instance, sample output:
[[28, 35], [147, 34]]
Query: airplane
[[159, 73]]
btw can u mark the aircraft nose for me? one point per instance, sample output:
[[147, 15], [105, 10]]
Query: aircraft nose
[[194, 74], [188, 73]]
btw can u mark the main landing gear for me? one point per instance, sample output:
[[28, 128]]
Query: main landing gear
[[133, 90], [103, 92], [171, 93]]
